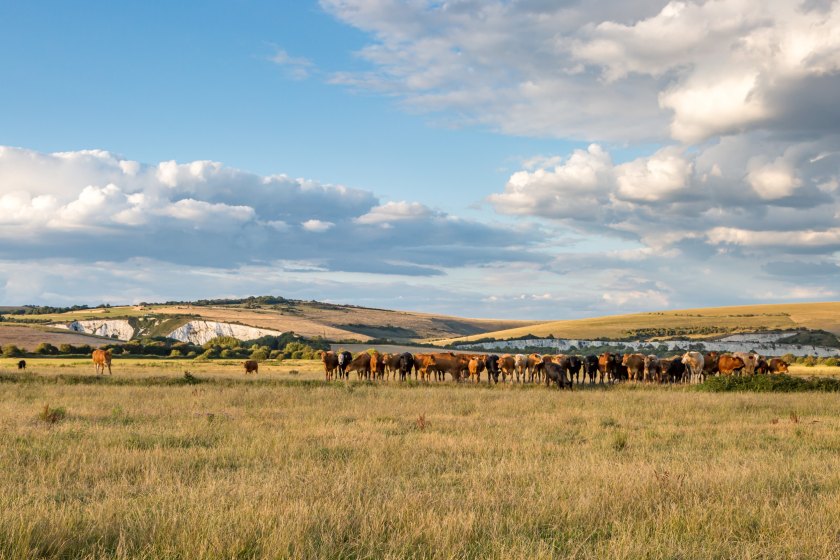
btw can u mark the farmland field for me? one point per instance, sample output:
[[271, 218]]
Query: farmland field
[[146, 465]]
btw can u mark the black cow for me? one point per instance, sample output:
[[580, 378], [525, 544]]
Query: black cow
[[675, 370], [406, 364], [590, 368], [491, 363], [22, 364], [554, 373]]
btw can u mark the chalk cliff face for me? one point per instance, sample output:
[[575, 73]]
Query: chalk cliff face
[[199, 332], [101, 327]]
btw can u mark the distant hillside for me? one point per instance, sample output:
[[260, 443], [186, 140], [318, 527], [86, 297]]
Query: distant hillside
[[705, 323], [307, 318]]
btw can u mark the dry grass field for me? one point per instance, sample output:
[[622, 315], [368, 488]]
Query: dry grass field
[[746, 318], [145, 465], [30, 336]]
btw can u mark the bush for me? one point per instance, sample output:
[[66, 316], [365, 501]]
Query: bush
[[259, 354], [46, 349], [769, 384], [12, 351], [831, 362]]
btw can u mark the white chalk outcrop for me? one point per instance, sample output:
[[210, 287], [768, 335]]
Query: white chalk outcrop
[[199, 332], [120, 329]]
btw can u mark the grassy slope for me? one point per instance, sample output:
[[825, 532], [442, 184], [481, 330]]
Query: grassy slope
[[746, 318], [30, 336], [306, 470]]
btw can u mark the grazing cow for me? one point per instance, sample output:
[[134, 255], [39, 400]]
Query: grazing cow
[[251, 365], [607, 367], [777, 365], [392, 364], [763, 367], [507, 364], [330, 361], [455, 365], [406, 364], [101, 359], [635, 364], [728, 364], [475, 367], [491, 364], [520, 363], [590, 368], [750, 361], [694, 366], [534, 367], [554, 374], [653, 369], [710, 364], [344, 359], [22, 364], [377, 365], [361, 365]]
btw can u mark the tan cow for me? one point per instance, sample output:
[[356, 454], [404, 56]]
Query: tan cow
[[507, 364], [520, 364], [750, 361], [377, 365], [475, 367], [534, 367], [424, 365], [694, 366], [101, 359]]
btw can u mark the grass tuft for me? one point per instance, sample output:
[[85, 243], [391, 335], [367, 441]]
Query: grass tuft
[[52, 415]]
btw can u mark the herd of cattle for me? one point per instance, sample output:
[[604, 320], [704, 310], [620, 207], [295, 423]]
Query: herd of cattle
[[562, 369]]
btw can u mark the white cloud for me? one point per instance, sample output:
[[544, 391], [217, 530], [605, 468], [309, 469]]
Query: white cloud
[[772, 181], [298, 68], [395, 212], [317, 226]]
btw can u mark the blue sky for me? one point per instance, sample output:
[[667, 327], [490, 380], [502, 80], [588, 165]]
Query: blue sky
[[503, 158]]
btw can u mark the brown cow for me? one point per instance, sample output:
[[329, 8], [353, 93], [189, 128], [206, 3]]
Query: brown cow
[[520, 363], [607, 367], [455, 365], [710, 364], [330, 361], [392, 364], [729, 364], [635, 364], [377, 365], [475, 367], [653, 369], [534, 366], [101, 358], [361, 365], [507, 364], [251, 365], [424, 365], [777, 365]]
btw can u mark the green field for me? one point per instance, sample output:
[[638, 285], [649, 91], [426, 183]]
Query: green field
[[146, 465]]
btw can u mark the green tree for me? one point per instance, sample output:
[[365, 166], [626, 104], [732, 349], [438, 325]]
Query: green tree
[[12, 351], [46, 349]]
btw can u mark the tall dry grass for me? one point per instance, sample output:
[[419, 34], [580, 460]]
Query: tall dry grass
[[276, 468]]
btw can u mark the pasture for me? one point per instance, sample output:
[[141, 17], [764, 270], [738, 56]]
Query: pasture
[[150, 464]]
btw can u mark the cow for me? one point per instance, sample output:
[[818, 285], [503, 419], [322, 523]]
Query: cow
[[330, 361], [101, 359], [453, 364], [590, 368], [777, 365], [728, 364], [710, 364], [344, 359], [22, 364], [507, 364], [653, 369], [635, 364], [361, 365], [475, 366], [424, 365], [694, 366], [534, 366], [405, 365], [491, 364], [554, 374], [392, 364], [520, 363], [377, 365], [607, 367], [763, 367], [251, 365], [750, 361], [674, 369]]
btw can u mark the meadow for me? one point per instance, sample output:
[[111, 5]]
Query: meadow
[[149, 463]]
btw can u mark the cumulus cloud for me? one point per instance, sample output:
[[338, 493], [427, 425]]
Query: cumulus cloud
[[94, 205]]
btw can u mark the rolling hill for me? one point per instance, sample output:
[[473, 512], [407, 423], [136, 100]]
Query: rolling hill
[[704, 322]]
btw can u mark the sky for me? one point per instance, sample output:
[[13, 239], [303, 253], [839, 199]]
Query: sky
[[524, 159]]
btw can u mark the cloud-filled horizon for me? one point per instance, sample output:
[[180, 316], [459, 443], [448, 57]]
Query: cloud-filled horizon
[[700, 166]]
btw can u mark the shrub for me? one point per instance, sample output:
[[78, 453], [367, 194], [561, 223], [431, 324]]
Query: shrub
[[832, 362], [46, 349], [12, 351], [259, 354], [769, 384]]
